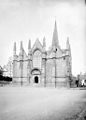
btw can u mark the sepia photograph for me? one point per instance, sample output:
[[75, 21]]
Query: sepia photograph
[[42, 60]]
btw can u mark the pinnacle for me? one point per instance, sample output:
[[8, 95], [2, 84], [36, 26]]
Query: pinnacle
[[29, 44]]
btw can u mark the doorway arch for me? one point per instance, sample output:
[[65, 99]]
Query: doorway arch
[[36, 79]]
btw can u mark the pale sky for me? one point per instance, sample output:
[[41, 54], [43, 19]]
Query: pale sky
[[24, 19]]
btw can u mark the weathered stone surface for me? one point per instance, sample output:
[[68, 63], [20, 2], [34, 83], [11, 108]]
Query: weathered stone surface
[[49, 66]]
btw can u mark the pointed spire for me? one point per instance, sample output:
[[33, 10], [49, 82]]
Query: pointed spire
[[55, 42], [14, 49], [68, 44]]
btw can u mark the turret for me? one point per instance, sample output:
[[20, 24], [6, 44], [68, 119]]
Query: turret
[[29, 47], [21, 51], [29, 61], [44, 44], [44, 62], [68, 46], [14, 62], [14, 49], [69, 57]]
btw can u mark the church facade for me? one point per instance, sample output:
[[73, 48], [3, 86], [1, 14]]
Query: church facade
[[41, 67]]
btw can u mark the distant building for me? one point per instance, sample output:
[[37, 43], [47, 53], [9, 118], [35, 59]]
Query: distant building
[[8, 68], [81, 77], [41, 67]]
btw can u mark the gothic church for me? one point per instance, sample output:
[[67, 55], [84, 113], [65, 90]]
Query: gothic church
[[41, 67]]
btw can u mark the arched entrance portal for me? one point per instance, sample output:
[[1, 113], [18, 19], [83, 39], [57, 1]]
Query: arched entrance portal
[[36, 74], [36, 79]]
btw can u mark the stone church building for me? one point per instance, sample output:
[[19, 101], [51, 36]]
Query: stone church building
[[41, 67]]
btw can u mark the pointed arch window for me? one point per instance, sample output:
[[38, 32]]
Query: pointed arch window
[[37, 59]]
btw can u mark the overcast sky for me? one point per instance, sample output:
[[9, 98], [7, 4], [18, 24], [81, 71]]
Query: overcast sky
[[24, 19]]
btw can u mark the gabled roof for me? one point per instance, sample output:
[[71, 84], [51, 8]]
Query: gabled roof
[[37, 45]]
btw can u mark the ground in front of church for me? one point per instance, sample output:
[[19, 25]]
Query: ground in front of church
[[31, 103]]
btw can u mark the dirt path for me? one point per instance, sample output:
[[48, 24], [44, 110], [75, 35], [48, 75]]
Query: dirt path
[[23, 103]]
